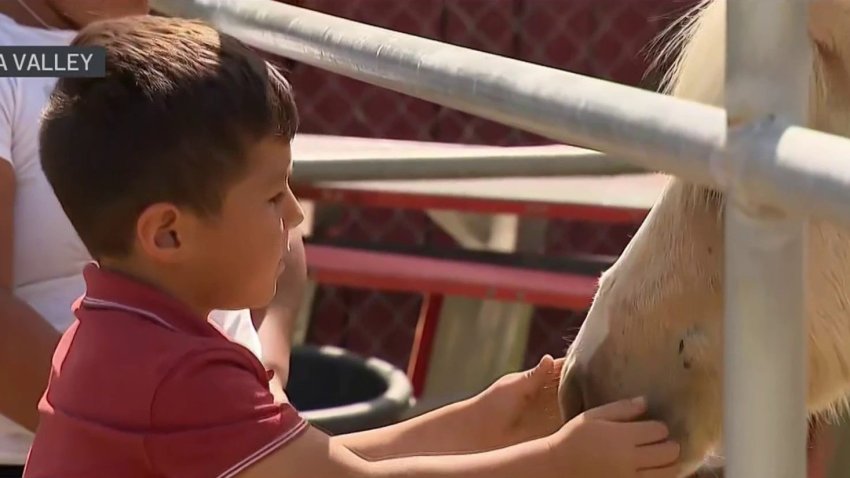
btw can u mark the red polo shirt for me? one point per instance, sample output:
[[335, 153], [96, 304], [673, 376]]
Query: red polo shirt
[[142, 387]]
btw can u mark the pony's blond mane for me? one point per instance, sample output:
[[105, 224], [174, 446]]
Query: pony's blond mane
[[672, 45], [695, 71]]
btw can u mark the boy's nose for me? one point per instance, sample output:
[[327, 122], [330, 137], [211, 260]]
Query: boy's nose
[[293, 214]]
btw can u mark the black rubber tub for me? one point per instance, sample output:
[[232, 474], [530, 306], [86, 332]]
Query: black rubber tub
[[340, 392]]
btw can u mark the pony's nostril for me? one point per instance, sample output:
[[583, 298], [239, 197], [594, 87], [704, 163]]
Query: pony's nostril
[[570, 395]]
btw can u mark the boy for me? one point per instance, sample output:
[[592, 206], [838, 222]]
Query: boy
[[173, 169]]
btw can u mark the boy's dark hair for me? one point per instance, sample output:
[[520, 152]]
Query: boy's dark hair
[[170, 122]]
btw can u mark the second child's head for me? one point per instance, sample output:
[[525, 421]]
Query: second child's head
[[174, 166]]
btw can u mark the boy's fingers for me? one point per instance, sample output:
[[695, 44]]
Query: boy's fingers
[[543, 366], [620, 411], [542, 372], [657, 456], [648, 432], [558, 365]]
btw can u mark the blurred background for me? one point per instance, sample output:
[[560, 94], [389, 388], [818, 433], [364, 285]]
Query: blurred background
[[605, 39]]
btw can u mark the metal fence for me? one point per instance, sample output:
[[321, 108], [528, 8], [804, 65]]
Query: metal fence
[[608, 39], [775, 173]]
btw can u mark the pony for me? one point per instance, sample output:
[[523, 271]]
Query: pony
[[655, 326]]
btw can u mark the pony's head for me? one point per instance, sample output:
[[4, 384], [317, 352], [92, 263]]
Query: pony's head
[[655, 326]]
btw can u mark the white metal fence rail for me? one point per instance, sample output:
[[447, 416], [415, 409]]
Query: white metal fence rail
[[774, 172], [466, 163]]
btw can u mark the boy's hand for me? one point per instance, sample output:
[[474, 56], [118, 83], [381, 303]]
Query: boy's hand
[[276, 322], [520, 406], [277, 387], [604, 442]]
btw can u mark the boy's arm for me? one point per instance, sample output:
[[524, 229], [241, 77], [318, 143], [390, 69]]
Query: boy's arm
[[275, 323], [213, 404], [325, 458], [602, 442], [518, 407], [444, 430], [212, 415]]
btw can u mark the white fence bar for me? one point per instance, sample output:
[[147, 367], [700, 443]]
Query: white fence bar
[[807, 171], [768, 60], [456, 163]]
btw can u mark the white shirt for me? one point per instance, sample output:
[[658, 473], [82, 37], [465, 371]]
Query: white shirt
[[48, 254]]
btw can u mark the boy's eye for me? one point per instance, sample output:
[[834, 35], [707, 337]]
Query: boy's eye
[[277, 198]]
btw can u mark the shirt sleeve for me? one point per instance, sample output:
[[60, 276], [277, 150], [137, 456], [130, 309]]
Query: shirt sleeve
[[213, 416], [7, 117]]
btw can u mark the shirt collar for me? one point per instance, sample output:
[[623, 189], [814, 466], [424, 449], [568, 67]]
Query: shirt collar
[[108, 289]]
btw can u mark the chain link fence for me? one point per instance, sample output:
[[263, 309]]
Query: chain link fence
[[609, 39]]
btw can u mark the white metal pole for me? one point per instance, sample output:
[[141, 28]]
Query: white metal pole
[[460, 163], [655, 131], [768, 60]]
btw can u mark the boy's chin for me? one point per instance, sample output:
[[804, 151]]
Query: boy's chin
[[265, 299], [251, 301]]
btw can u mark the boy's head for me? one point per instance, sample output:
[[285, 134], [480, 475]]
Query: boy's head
[[175, 164]]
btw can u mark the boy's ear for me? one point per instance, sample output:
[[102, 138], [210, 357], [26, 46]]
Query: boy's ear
[[158, 231]]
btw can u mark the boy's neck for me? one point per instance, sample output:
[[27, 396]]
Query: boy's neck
[[155, 279], [43, 13]]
